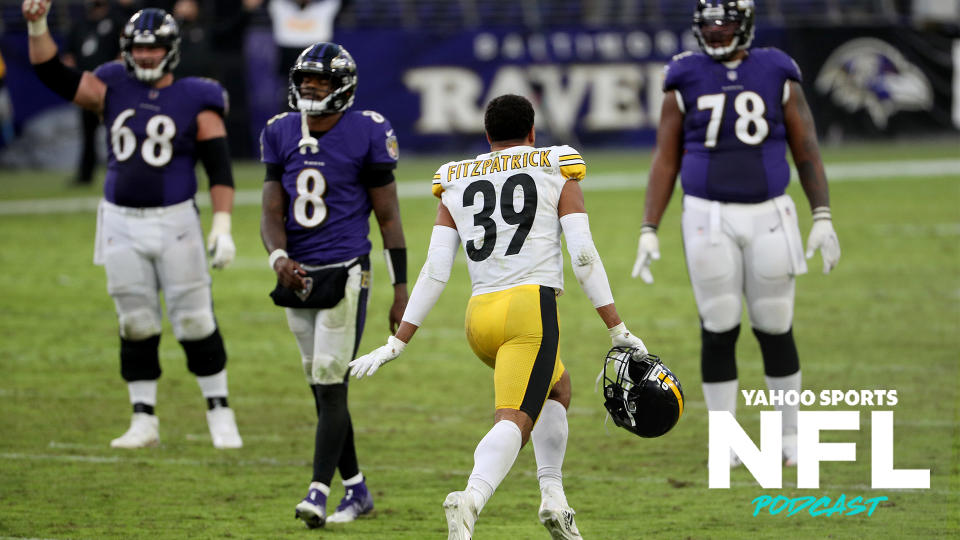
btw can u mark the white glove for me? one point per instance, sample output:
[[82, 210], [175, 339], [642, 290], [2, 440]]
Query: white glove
[[823, 237], [219, 242], [648, 250], [368, 364], [621, 337]]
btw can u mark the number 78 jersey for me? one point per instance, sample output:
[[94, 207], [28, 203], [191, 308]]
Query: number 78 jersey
[[505, 206], [734, 137]]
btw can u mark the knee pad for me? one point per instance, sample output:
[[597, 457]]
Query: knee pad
[[779, 352], [139, 324], [325, 369], [721, 313], [205, 356], [718, 361], [193, 325], [140, 360], [772, 315]]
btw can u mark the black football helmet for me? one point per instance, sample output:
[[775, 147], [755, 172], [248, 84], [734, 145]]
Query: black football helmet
[[330, 60], [151, 26], [642, 395], [718, 12]]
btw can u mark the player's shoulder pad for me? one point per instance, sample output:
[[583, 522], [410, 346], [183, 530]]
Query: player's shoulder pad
[[783, 61], [209, 92], [675, 72], [440, 177], [111, 72], [571, 163]]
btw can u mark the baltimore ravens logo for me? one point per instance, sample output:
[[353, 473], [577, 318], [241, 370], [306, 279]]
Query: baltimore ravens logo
[[393, 149], [870, 74]]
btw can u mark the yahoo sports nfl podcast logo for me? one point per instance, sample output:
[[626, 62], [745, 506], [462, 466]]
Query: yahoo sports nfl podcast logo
[[766, 465]]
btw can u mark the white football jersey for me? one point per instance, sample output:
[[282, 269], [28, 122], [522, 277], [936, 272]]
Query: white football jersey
[[505, 206]]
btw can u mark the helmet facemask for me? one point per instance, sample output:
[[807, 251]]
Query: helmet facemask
[[333, 63], [641, 394], [151, 27], [713, 17]]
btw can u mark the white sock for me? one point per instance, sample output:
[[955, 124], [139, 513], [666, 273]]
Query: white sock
[[353, 480], [721, 396], [789, 412], [213, 385], [143, 392], [325, 489], [549, 438], [492, 461]]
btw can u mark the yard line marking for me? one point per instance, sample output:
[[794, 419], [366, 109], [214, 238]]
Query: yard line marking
[[271, 462], [854, 171]]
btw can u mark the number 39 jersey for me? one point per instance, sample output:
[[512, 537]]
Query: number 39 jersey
[[504, 204], [734, 135], [152, 136], [328, 215]]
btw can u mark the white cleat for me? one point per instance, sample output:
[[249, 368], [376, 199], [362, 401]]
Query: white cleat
[[461, 515], [223, 428], [557, 517], [144, 431]]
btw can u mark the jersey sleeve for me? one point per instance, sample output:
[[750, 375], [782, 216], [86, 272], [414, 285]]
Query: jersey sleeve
[[111, 73], [786, 64], [269, 144], [384, 151], [674, 73], [210, 95], [571, 163], [437, 188]]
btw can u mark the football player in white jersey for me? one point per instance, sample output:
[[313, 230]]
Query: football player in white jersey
[[509, 207]]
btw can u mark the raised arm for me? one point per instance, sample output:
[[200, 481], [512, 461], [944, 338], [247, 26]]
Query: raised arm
[[83, 88]]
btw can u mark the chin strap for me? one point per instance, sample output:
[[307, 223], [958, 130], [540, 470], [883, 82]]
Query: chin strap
[[307, 142]]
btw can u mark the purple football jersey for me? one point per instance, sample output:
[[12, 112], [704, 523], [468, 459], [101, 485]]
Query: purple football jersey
[[734, 138], [152, 136], [329, 210]]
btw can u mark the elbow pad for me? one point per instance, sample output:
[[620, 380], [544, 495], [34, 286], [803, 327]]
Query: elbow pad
[[587, 266], [434, 275]]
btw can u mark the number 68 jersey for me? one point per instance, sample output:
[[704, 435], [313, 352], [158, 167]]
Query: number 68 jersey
[[504, 204], [152, 136], [734, 137]]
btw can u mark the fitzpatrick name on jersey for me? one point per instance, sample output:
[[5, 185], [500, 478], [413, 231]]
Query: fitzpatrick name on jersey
[[504, 204], [734, 133]]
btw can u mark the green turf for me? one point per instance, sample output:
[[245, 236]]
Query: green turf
[[888, 317]]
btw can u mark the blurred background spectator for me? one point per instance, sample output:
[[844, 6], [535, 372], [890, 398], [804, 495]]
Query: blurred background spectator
[[195, 60], [297, 24]]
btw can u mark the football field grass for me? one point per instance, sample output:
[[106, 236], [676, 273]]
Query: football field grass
[[887, 318]]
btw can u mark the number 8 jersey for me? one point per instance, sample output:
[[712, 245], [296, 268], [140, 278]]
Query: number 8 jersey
[[152, 136], [505, 206], [734, 147]]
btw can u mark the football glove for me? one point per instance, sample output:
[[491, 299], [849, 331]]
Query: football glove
[[648, 250], [219, 243], [368, 364], [621, 337], [823, 237]]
